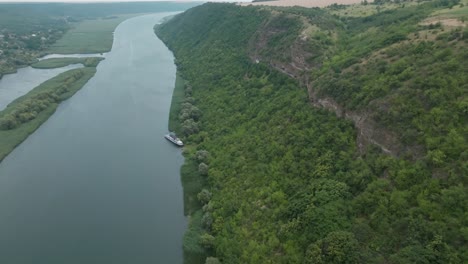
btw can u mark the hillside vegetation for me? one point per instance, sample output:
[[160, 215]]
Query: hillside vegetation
[[272, 177]]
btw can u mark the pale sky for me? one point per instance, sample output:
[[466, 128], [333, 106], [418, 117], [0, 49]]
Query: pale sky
[[101, 1]]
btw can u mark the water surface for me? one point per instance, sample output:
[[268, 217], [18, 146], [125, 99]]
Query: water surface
[[53, 56], [97, 182], [24, 80]]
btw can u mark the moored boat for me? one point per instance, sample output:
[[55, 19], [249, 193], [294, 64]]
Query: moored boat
[[174, 139]]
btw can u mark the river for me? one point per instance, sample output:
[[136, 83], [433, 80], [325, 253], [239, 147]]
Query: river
[[97, 182], [24, 80], [54, 56]]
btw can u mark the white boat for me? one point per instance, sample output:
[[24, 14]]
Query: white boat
[[174, 139]]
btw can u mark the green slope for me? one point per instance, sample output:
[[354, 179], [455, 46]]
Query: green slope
[[284, 182]]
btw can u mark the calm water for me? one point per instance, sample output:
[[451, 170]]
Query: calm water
[[98, 183], [24, 80], [52, 56]]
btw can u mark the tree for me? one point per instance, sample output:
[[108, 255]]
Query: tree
[[207, 240], [189, 127], [207, 220], [340, 247], [202, 155], [203, 169], [411, 254], [212, 260], [8, 122], [204, 196], [188, 90], [313, 255]]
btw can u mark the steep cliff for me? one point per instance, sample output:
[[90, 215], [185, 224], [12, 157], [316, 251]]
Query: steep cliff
[[272, 179]]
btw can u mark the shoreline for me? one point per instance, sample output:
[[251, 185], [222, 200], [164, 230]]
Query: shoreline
[[20, 118], [69, 43], [96, 155], [11, 138], [53, 63], [191, 180]]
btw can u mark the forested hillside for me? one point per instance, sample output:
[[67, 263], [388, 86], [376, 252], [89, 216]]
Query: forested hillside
[[273, 177]]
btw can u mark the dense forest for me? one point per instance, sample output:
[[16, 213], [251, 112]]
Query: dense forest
[[272, 178]]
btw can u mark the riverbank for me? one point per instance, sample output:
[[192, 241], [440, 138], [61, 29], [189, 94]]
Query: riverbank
[[99, 176], [62, 62], [85, 37], [192, 181], [27, 113], [178, 97]]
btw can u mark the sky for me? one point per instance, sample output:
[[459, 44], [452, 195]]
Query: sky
[[101, 1]]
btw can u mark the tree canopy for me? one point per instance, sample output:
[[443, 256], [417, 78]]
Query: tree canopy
[[286, 182]]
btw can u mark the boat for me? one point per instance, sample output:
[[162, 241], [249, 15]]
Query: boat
[[174, 139]]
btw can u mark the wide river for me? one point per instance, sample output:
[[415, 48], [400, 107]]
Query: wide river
[[98, 183]]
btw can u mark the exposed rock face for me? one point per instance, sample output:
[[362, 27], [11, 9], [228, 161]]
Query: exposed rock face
[[294, 64], [368, 130], [290, 61]]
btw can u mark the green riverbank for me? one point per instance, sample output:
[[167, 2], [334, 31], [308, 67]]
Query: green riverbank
[[62, 62], [178, 97], [27, 113], [192, 181]]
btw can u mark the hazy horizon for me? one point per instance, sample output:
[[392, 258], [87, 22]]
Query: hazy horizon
[[112, 1]]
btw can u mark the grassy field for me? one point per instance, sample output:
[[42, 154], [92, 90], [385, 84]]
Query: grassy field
[[10, 138], [62, 62], [89, 36], [361, 10], [177, 98], [459, 11]]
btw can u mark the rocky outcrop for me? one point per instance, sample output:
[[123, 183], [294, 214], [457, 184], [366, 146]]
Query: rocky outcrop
[[294, 64], [368, 131]]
